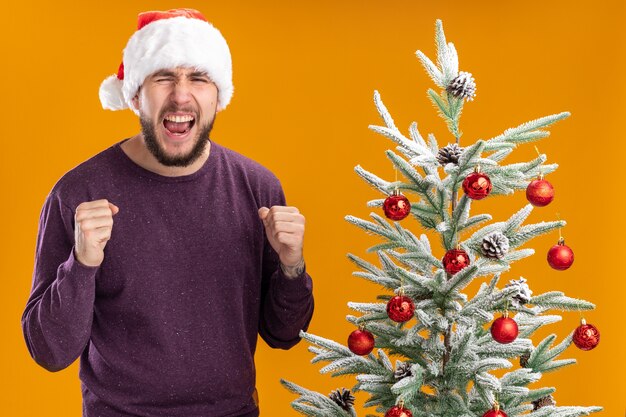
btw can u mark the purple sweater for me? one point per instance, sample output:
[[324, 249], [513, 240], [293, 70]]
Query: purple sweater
[[167, 325]]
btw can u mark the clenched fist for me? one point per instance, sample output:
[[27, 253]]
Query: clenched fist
[[93, 222], [284, 227]]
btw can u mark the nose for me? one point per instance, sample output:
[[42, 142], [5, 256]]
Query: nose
[[181, 93]]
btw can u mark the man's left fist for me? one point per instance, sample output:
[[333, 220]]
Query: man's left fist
[[284, 228]]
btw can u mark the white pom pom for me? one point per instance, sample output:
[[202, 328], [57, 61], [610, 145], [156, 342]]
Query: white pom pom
[[111, 95]]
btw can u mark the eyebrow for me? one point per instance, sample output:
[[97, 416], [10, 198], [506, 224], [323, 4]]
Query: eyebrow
[[199, 74], [164, 73], [168, 73]]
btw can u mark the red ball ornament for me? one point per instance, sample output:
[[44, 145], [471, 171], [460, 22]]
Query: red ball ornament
[[400, 308], [477, 185], [396, 206], [455, 260], [504, 330], [361, 342], [586, 336], [540, 192], [495, 413], [398, 411], [560, 256]]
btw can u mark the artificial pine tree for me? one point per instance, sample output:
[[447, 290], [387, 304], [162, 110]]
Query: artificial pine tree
[[447, 349]]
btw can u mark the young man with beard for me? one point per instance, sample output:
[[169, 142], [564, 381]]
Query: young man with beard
[[164, 307]]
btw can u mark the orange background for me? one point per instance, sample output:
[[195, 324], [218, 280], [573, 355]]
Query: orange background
[[304, 75]]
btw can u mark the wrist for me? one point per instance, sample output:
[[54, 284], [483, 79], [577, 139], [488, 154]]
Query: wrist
[[83, 262], [292, 271]]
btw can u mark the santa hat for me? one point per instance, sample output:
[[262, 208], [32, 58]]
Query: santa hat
[[165, 40]]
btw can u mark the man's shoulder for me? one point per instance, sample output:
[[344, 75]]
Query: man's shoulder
[[252, 169], [92, 170]]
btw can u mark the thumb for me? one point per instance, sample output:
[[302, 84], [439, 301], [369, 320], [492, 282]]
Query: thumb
[[114, 208], [263, 212]]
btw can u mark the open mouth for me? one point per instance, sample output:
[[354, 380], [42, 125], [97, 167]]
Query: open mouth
[[178, 125]]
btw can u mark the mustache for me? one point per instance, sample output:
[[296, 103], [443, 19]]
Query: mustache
[[174, 109]]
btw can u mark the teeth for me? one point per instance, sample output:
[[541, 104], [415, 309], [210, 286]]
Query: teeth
[[179, 119]]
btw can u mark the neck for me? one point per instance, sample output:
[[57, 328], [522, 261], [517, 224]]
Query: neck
[[138, 152]]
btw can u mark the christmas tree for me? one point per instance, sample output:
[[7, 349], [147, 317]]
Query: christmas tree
[[447, 346]]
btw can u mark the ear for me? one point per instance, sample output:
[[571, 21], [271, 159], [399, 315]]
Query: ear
[[135, 101], [217, 98]]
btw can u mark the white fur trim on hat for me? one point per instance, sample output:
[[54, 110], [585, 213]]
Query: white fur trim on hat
[[111, 95], [167, 44]]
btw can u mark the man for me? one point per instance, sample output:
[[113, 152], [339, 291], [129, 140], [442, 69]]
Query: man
[[164, 306]]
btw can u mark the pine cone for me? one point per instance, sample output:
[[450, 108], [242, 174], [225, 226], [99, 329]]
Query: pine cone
[[542, 402], [450, 154], [495, 245], [403, 369], [463, 86], [523, 360], [523, 294], [343, 398]]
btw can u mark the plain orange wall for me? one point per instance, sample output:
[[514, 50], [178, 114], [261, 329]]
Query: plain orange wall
[[304, 75]]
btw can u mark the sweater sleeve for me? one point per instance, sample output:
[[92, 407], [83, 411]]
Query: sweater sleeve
[[57, 319], [286, 303]]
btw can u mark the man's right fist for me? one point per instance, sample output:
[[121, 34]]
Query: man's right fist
[[93, 223]]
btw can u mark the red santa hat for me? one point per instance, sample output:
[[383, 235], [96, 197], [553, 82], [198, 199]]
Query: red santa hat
[[165, 40]]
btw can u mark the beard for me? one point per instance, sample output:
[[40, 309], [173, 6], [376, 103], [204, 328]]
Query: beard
[[184, 160]]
